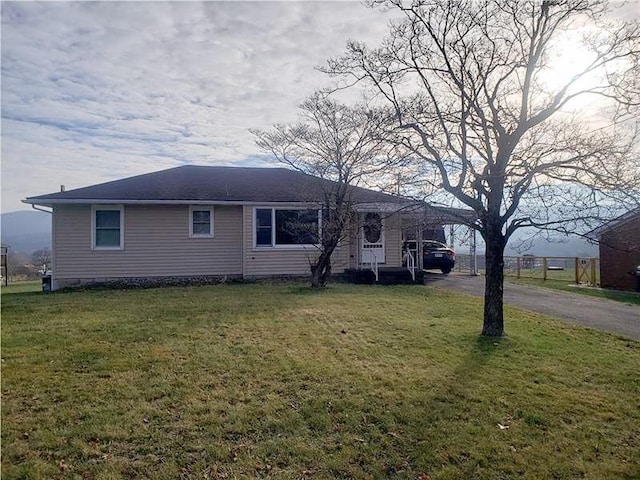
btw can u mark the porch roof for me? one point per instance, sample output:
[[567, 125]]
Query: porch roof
[[428, 213]]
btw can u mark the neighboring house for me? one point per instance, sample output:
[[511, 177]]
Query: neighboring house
[[619, 243], [195, 222]]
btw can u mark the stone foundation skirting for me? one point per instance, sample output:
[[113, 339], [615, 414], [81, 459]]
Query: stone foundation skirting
[[179, 281], [142, 282]]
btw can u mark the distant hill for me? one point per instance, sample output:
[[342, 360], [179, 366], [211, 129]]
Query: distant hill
[[565, 247], [26, 231], [524, 244]]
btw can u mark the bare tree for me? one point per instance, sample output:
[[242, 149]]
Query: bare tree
[[339, 144], [469, 83], [41, 260]]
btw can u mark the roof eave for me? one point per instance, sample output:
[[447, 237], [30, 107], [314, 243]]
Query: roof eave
[[49, 202]]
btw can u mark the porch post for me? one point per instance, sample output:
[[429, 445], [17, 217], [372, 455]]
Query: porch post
[[358, 240], [473, 259], [419, 245]]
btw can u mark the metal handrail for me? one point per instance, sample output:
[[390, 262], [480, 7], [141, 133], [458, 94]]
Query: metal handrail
[[411, 263], [374, 263]]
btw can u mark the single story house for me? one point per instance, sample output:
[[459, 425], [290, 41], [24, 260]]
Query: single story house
[[201, 222], [619, 244]]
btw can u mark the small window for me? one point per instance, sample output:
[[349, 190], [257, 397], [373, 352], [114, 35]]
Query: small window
[[201, 222], [107, 227]]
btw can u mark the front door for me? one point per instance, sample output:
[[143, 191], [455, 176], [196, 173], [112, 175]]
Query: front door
[[372, 238]]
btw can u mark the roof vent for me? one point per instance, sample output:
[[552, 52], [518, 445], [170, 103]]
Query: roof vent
[[62, 188]]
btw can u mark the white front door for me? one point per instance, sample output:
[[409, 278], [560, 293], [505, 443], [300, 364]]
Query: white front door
[[372, 238]]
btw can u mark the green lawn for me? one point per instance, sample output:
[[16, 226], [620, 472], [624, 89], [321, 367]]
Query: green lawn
[[277, 381], [22, 287], [567, 286]]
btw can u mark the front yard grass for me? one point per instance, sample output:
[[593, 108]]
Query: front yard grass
[[277, 381]]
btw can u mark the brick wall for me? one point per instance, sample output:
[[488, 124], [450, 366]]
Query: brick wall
[[619, 255]]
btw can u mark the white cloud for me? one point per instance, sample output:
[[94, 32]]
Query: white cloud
[[93, 91]]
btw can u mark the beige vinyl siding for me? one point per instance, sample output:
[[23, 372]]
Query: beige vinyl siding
[[354, 242], [156, 243], [392, 241], [281, 261], [54, 257]]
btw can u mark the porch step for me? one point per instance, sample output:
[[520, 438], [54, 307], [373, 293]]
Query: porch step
[[394, 276], [386, 276]]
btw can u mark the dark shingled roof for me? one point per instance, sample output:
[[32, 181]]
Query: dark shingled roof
[[215, 184]]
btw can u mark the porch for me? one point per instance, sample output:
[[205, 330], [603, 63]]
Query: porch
[[388, 240]]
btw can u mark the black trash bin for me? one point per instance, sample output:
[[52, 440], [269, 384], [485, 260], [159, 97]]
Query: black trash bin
[[46, 283]]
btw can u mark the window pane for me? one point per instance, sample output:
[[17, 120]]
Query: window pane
[[263, 217], [201, 229], [372, 227], [107, 218], [263, 236], [201, 216], [309, 216], [108, 238], [296, 227]]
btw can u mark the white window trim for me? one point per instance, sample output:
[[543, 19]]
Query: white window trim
[[273, 245], [94, 208], [208, 208]]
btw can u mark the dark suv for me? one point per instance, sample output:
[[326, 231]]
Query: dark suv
[[434, 255]]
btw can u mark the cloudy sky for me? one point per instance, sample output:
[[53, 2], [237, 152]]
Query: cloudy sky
[[93, 92]]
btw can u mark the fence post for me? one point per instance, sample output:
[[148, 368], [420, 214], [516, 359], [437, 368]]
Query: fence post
[[4, 253], [593, 272], [575, 269], [544, 268], [518, 267]]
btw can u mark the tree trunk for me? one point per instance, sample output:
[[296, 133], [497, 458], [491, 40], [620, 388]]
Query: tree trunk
[[494, 285], [321, 271]]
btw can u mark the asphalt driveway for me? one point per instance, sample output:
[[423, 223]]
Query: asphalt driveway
[[600, 313]]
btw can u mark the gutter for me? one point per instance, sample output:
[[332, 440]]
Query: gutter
[[33, 205]]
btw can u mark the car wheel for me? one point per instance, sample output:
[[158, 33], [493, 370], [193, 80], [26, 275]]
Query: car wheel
[[446, 271]]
